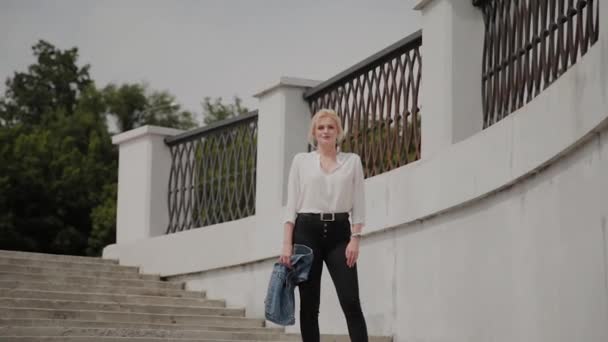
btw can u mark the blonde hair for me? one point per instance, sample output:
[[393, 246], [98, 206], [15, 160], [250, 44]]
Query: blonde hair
[[323, 113]]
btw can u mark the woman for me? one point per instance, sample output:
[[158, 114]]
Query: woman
[[325, 188]]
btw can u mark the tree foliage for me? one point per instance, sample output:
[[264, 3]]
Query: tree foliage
[[133, 105], [53, 175], [58, 167], [216, 110], [50, 85]]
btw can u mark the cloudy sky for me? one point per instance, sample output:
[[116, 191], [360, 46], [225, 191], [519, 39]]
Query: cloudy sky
[[198, 48]]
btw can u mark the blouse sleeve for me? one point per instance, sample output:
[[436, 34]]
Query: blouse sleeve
[[358, 214], [293, 190]]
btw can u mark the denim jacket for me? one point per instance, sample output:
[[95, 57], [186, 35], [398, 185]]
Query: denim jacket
[[279, 302]]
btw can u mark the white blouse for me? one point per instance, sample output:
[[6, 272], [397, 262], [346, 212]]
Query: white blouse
[[312, 190]]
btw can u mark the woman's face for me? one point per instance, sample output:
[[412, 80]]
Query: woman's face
[[326, 131]]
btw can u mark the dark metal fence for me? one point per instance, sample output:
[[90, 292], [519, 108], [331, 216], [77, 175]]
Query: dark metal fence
[[213, 174], [528, 45], [377, 101]]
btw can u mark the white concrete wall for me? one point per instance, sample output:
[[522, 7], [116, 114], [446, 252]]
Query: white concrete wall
[[525, 264], [499, 249], [499, 237]]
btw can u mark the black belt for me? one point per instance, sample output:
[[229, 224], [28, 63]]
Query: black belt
[[326, 216]]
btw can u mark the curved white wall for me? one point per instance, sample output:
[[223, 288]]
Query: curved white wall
[[570, 109], [528, 263], [502, 236]]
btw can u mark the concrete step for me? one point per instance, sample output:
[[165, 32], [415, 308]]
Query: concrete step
[[89, 315], [8, 322], [77, 266], [118, 307], [81, 299], [84, 288], [259, 335], [114, 298], [71, 325], [129, 274], [346, 338], [55, 257], [324, 338], [105, 339], [98, 281]]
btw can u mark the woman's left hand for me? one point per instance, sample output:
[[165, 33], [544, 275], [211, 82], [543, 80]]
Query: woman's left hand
[[352, 252]]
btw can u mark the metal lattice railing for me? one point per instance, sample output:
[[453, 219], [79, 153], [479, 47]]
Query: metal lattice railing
[[213, 174], [377, 101], [528, 45]]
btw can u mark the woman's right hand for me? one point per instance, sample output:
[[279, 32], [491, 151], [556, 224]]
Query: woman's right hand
[[285, 257]]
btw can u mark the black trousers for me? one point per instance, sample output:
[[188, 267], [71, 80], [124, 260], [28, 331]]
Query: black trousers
[[328, 241]]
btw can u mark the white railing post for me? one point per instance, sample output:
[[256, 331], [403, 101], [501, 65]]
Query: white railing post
[[452, 43], [144, 163], [283, 121]]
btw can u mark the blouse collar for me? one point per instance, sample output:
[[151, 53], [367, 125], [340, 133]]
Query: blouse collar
[[340, 157]]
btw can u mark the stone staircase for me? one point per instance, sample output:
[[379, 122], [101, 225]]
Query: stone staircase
[[46, 297]]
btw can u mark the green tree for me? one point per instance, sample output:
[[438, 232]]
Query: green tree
[[58, 167], [56, 155], [40, 114], [216, 110], [163, 111], [126, 103], [103, 219], [52, 84], [133, 105]]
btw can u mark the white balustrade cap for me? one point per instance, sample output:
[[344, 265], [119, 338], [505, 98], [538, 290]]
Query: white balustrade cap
[[142, 132], [285, 81]]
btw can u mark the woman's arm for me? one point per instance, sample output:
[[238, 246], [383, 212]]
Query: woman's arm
[[287, 249], [356, 229], [358, 211], [358, 217], [293, 189], [288, 234]]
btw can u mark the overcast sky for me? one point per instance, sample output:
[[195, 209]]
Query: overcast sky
[[204, 48]]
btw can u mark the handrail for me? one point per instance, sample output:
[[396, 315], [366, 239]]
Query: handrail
[[377, 102], [193, 134], [388, 53]]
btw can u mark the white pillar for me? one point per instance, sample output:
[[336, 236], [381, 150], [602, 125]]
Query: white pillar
[[283, 121], [144, 163], [452, 43]]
